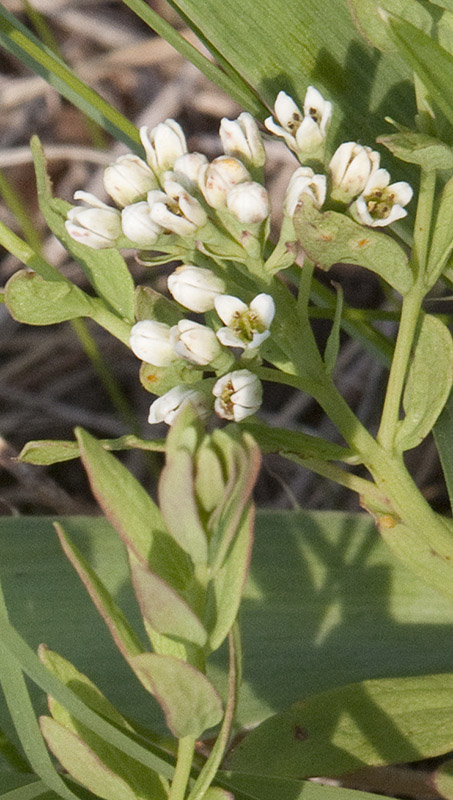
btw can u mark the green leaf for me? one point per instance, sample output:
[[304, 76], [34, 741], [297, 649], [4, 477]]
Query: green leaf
[[36, 301], [442, 240], [25, 789], [259, 787], [443, 435], [280, 440], [419, 148], [428, 383], [106, 270], [150, 304], [159, 380], [19, 41], [163, 608], [329, 238], [80, 761], [53, 451], [132, 512], [369, 22], [370, 723], [443, 779], [333, 342], [190, 702], [215, 793], [432, 63]]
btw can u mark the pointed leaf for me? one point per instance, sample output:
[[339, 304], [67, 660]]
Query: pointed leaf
[[432, 63], [36, 301], [329, 238], [106, 270], [428, 383], [132, 512], [374, 722], [365, 14], [51, 451], [163, 608], [189, 701]]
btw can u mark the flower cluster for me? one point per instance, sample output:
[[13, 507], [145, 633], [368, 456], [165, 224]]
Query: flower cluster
[[177, 196]]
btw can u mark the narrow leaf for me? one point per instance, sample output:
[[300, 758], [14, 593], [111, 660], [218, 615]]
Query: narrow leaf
[[53, 451], [189, 701], [132, 513], [429, 60], [442, 241], [164, 609], [329, 238], [369, 22], [428, 384], [21, 42], [374, 722], [333, 342]]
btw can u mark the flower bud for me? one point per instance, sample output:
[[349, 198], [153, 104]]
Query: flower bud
[[176, 211], [216, 179], [249, 202], [241, 138], [97, 225], [303, 181], [187, 167], [305, 132], [246, 326], [195, 288], [128, 179], [381, 203], [138, 226], [238, 395], [165, 408], [163, 145], [194, 342], [150, 341], [351, 167]]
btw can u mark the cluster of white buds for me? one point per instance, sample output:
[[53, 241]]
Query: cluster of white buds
[[304, 133]]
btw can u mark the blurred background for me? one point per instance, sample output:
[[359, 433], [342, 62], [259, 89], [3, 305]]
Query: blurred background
[[56, 377]]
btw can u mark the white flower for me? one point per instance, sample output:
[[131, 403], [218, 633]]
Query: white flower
[[303, 132], [238, 394], [187, 167], [249, 202], [247, 326], [194, 342], [195, 287], [304, 181], [96, 224], [165, 408], [216, 179], [163, 145], [150, 341], [241, 138], [381, 203], [176, 210], [128, 179], [138, 226], [351, 167]]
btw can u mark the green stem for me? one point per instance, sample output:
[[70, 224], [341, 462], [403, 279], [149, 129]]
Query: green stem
[[186, 748], [108, 320]]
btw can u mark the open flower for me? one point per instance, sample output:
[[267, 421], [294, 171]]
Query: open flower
[[381, 203], [241, 138], [303, 181], [95, 224], [249, 203], [128, 179], [195, 288], [150, 341], [304, 132], [216, 179], [165, 408], [163, 145], [246, 326], [238, 395], [138, 226], [351, 167], [194, 342], [176, 210]]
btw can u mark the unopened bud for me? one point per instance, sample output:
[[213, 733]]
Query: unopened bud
[[163, 145], [195, 287], [249, 202], [128, 179], [241, 138], [150, 341], [96, 224]]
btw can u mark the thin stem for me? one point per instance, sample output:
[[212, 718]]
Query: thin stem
[[422, 227], [186, 748], [364, 488]]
